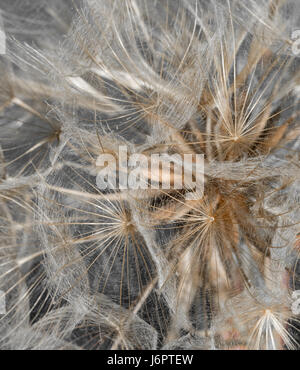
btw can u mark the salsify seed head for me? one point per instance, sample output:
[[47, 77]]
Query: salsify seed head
[[101, 87]]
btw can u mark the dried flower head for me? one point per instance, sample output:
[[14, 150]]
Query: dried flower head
[[149, 266]]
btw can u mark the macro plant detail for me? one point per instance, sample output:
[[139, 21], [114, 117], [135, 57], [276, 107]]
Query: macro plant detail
[[149, 267]]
